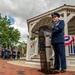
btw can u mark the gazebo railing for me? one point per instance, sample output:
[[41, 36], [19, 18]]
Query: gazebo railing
[[34, 47], [72, 49]]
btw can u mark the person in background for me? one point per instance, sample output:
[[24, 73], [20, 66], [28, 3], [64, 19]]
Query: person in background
[[13, 54], [23, 52], [57, 41], [9, 53], [0, 51], [18, 54], [6, 54]]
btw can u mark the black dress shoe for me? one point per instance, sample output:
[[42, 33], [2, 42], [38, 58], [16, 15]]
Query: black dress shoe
[[49, 72], [54, 72], [62, 71]]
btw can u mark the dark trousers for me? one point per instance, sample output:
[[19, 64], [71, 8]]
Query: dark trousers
[[13, 56], [60, 58]]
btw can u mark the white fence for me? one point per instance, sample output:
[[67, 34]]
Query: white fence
[[72, 49]]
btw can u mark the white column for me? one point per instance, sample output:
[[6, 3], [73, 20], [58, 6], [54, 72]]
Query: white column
[[30, 31], [47, 43], [28, 50], [66, 31], [66, 26], [36, 46], [28, 45], [30, 34]]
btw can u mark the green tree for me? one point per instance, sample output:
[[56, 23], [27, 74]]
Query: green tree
[[8, 35], [22, 45]]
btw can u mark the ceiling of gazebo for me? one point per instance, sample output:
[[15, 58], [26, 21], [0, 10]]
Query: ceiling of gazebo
[[71, 26], [47, 21]]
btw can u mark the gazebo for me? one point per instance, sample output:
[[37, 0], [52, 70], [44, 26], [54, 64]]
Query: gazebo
[[67, 13]]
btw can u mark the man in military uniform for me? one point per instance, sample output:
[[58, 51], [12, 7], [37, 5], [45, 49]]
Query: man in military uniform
[[57, 41]]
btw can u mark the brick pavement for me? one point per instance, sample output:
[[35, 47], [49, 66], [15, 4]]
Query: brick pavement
[[9, 69]]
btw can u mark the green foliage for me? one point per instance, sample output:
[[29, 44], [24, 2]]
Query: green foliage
[[33, 37], [8, 35], [22, 45]]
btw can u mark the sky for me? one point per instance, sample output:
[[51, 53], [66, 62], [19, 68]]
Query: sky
[[20, 10]]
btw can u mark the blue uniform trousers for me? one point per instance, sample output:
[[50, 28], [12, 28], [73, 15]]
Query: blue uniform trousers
[[60, 58]]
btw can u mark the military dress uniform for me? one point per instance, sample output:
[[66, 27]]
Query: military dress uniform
[[57, 41]]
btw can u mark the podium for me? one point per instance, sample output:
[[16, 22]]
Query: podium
[[45, 66]]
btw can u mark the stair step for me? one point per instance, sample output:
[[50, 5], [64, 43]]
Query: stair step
[[36, 60], [33, 64]]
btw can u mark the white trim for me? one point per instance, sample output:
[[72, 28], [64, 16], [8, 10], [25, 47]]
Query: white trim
[[69, 17]]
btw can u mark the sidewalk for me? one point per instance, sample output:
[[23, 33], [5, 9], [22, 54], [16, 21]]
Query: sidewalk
[[10, 69]]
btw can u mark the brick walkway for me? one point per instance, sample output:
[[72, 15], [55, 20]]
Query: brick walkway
[[9, 69]]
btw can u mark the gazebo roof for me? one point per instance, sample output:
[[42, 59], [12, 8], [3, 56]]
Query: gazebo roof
[[71, 7], [45, 21], [64, 7]]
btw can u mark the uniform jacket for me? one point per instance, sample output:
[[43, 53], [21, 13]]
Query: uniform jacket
[[57, 35]]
